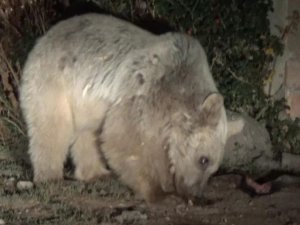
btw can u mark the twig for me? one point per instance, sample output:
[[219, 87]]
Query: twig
[[4, 57], [217, 60], [14, 124]]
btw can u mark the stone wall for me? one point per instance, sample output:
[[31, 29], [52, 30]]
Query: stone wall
[[286, 81]]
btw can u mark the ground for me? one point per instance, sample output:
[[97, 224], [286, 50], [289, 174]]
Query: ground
[[108, 202]]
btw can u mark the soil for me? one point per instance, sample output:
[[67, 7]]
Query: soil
[[108, 202]]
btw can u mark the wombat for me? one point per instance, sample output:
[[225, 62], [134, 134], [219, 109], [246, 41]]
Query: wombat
[[163, 123]]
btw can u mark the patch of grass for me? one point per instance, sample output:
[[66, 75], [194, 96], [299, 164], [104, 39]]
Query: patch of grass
[[54, 214], [67, 202]]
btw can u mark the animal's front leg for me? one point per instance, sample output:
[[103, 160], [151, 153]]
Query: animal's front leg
[[87, 159]]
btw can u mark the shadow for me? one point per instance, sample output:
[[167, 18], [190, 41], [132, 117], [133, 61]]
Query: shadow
[[156, 26]]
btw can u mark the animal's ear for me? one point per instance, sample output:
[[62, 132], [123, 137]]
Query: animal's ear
[[235, 127], [211, 109]]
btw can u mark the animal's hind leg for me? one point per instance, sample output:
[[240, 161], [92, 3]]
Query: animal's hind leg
[[50, 132], [87, 159]]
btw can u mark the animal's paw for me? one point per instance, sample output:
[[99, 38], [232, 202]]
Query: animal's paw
[[91, 173]]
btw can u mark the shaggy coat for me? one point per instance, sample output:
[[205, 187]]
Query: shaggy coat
[[153, 97]]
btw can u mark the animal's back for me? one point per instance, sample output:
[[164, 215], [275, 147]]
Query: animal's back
[[83, 50], [99, 55]]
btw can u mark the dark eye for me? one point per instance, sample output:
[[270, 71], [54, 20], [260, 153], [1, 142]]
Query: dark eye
[[204, 161]]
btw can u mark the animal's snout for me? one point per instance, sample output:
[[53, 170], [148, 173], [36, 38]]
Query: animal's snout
[[189, 189]]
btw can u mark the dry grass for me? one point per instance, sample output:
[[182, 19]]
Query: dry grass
[[21, 21]]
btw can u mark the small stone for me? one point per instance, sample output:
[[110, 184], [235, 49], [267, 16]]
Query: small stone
[[206, 221], [131, 216], [2, 222], [224, 220], [182, 209], [11, 179], [10, 185], [24, 185], [190, 202], [103, 193]]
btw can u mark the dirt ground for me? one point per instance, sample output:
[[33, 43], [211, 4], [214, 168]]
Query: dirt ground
[[108, 202]]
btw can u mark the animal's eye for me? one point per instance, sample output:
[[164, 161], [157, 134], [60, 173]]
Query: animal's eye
[[204, 161]]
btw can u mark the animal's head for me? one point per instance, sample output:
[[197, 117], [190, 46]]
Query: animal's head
[[196, 145]]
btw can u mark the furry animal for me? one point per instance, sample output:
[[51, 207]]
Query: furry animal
[[163, 121], [164, 145]]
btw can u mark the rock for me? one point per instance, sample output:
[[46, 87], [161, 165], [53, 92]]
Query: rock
[[249, 151], [288, 180], [24, 185], [10, 185], [131, 217], [103, 193], [290, 162], [2, 222]]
